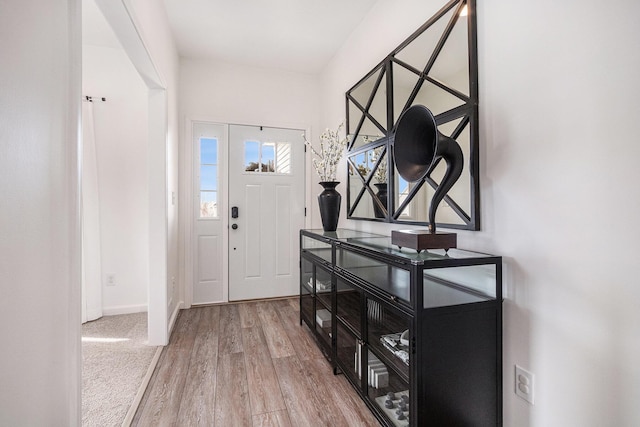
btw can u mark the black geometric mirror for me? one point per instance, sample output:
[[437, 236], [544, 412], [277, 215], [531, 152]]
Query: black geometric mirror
[[436, 67]]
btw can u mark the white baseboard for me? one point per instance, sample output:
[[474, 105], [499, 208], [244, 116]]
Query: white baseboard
[[124, 309], [173, 318], [93, 314]]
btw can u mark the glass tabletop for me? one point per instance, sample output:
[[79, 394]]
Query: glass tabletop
[[383, 244]]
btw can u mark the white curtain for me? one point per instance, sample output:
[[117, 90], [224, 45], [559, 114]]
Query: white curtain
[[91, 252]]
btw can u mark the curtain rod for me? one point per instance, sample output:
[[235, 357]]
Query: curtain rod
[[96, 98]]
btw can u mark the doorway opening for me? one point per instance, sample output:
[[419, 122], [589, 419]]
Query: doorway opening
[[134, 221]]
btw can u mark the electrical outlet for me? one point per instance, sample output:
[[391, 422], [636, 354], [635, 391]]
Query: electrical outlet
[[524, 383], [110, 278]]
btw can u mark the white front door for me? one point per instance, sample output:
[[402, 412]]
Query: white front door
[[266, 211], [209, 148]]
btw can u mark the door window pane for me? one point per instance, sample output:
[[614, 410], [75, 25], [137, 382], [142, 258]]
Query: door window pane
[[208, 178], [283, 158], [208, 151], [251, 156], [208, 204], [267, 157]]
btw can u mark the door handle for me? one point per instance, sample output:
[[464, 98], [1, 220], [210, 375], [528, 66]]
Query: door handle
[[234, 212]]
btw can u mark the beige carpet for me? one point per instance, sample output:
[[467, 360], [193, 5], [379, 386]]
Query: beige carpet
[[115, 360]]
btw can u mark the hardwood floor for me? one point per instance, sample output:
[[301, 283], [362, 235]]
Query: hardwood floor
[[247, 364]]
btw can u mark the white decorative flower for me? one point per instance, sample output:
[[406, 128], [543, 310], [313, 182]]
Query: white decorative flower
[[328, 157]]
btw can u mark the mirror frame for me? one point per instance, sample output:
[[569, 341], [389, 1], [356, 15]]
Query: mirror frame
[[467, 113]]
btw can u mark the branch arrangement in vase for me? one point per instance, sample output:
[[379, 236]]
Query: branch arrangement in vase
[[332, 148]]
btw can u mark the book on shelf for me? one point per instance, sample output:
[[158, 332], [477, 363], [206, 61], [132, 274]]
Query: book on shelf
[[377, 374]]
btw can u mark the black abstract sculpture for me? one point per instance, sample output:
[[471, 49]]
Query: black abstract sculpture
[[417, 146]]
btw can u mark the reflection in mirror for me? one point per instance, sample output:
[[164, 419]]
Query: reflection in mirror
[[363, 91], [362, 96], [378, 107], [418, 52], [368, 183], [358, 173], [361, 162], [379, 157], [456, 207], [369, 132], [364, 208], [438, 99], [458, 196], [414, 209], [452, 64], [368, 109], [417, 209], [435, 67], [450, 67], [403, 83], [355, 116]]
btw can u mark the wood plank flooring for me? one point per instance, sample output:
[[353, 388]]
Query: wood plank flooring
[[247, 364]]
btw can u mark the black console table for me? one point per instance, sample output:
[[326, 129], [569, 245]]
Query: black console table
[[418, 335]]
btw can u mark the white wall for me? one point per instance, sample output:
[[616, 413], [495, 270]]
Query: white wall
[[143, 31], [121, 151], [229, 93], [39, 219], [151, 17], [559, 200], [247, 95]]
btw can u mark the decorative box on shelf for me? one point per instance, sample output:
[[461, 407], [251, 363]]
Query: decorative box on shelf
[[420, 240], [323, 318]]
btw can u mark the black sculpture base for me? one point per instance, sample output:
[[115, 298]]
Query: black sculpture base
[[423, 239]]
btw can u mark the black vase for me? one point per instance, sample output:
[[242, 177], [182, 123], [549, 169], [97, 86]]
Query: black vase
[[329, 202], [382, 196]]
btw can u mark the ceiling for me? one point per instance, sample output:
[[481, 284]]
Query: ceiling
[[295, 35]]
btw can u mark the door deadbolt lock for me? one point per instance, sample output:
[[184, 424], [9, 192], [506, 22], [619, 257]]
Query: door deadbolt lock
[[234, 226]]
